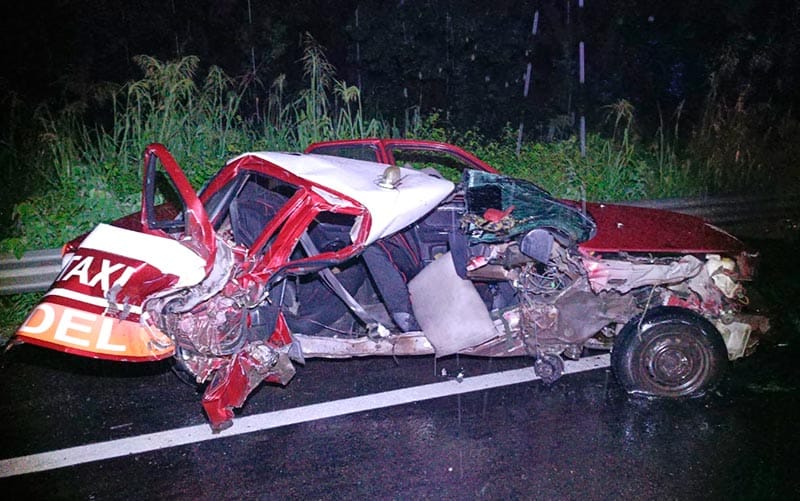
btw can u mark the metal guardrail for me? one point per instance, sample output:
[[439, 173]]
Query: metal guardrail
[[761, 217], [35, 271], [746, 217]]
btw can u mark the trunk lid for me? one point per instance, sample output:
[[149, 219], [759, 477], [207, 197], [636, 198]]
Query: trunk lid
[[95, 307]]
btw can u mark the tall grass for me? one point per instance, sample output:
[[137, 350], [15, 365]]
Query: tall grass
[[97, 169], [325, 109], [197, 118], [25, 165], [738, 144], [619, 166]]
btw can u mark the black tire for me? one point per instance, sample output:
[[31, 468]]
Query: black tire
[[183, 373], [677, 353]]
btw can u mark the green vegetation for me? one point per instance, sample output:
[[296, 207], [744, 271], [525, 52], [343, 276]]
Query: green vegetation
[[95, 171], [90, 173], [612, 169], [13, 310]]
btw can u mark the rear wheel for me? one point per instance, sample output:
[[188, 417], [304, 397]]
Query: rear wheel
[[672, 352]]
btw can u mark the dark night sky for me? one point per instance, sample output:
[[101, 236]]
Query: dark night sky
[[49, 45], [465, 57]]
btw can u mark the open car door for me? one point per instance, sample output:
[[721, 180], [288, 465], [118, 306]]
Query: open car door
[[96, 306], [188, 219]]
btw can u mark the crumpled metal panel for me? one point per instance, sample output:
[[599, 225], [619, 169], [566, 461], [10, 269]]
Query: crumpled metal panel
[[233, 382], [449, 309], [623, 276], [576, 314]]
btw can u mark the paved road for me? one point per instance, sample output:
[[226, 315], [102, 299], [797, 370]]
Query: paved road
[[581, 437]]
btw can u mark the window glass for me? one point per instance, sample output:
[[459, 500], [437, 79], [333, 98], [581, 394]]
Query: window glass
[[356, 152], [527, 205], [166, 209], [447, 165]]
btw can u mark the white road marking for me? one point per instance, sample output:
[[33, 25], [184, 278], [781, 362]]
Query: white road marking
[[268, 420]]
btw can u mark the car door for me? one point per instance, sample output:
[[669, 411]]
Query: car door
[[171, 207]]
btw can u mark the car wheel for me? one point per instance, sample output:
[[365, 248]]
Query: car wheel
[[548, 367], [180, 369], [671, 352]]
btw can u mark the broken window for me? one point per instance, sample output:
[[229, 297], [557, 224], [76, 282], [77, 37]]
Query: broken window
[[499, 207], [366, 152], [444, 163]]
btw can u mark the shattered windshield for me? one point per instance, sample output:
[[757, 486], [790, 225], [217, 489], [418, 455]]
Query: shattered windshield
[[500, 207]]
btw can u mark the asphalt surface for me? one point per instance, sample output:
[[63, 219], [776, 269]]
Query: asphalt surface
[[579, 438]]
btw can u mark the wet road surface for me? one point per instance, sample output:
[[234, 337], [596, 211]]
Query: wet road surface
[[580, 438]]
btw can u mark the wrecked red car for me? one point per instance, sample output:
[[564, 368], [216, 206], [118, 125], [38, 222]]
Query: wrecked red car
[[284, 257]]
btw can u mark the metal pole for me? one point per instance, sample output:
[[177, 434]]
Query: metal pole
[[253, 54], [582, 80], [583, 136], [527, 82], [358, 56]]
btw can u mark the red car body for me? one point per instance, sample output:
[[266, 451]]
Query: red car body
[[284, 257]]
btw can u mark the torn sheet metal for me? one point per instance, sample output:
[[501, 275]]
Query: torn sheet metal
[[233, 382], [723, 272], [624, 276], [736, 336], [404, 344]]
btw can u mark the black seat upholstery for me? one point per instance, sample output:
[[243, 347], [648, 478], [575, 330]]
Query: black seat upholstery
[[252, 210]]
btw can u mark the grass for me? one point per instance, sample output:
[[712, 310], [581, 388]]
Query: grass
[[13, 310], [616, 168]]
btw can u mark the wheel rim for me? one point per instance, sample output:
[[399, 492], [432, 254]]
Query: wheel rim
[[676, 362], [549, 368], [546, 370]]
